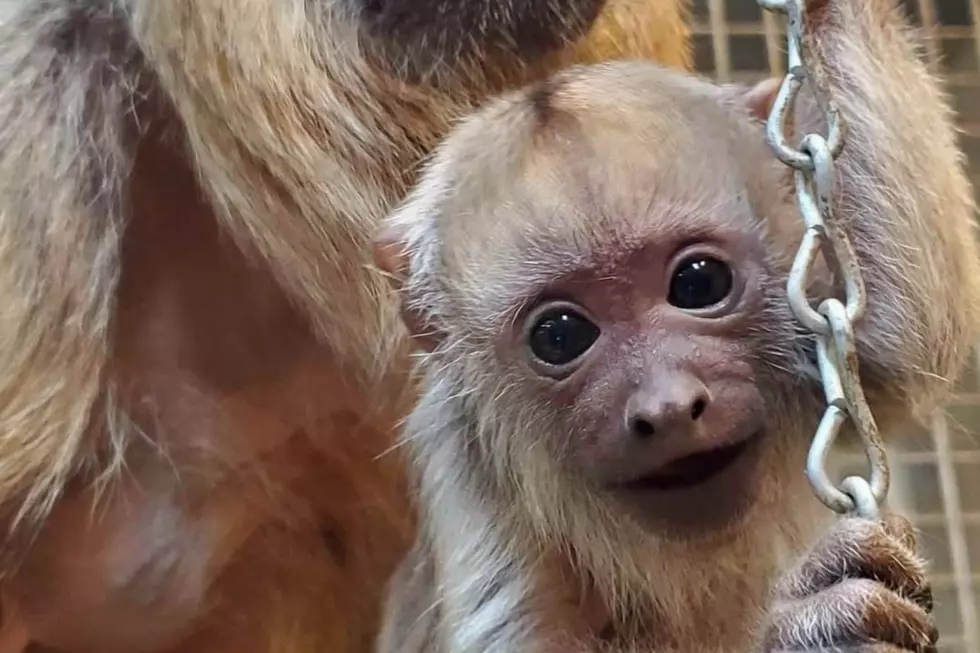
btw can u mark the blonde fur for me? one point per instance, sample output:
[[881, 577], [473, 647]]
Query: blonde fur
[[173, 171]]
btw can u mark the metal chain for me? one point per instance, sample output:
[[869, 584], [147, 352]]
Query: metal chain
[[831, 322]]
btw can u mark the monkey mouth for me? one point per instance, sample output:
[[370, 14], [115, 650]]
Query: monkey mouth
[[690, 470]]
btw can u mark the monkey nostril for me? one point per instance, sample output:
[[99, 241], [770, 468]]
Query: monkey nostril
[[642, 427], [698, 408]]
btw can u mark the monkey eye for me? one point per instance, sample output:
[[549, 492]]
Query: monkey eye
[[560, 335], [700, 281]]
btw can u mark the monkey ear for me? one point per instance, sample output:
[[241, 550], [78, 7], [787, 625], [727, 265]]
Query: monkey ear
[[391, 255], [757, 99]]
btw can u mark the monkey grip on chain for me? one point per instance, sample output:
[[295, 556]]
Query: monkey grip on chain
[[832, 321]]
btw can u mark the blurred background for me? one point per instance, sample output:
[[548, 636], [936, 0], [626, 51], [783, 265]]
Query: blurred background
[[937, 472]]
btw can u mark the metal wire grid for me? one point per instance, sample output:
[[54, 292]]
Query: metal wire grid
[[936, 474]]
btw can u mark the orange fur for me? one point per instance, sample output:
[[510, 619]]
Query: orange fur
[[202, 372]]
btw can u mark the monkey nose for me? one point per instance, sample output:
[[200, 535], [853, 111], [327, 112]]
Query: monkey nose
[[673, 404]]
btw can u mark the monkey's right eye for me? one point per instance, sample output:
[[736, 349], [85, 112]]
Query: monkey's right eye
[[560, 335], [700, 282]]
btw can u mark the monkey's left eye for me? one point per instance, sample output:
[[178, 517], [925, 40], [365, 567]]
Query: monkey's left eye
[[560, 335], [700, 281]]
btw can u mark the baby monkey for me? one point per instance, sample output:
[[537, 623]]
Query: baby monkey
[[616, 397]]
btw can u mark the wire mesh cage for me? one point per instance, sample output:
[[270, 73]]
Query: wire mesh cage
[[936, 472]]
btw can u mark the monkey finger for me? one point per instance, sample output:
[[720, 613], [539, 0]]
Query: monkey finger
[[855, 613], [901, 529], [874, 647], [858, 548]]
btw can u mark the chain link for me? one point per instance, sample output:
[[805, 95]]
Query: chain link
[[831, 322]]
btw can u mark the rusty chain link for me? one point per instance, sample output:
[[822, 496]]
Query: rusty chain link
[[831, 322]]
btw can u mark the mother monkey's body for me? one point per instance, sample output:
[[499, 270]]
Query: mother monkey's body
[[200, 373]]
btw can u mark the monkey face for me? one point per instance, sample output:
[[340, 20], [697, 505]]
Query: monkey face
[[420, 36], [649, 357], [606, 293]]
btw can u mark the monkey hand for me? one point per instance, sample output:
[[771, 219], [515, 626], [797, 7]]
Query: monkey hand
[[861, 589]]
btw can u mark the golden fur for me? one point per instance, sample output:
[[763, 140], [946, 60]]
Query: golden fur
[[201, 372]]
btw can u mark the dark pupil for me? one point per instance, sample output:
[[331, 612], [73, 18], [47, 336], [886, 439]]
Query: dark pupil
[[561, 336], [699, 283]]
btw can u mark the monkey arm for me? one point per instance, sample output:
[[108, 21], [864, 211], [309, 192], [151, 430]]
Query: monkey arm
[[469, 585], [411, 611], [905, 200], [484, 595]]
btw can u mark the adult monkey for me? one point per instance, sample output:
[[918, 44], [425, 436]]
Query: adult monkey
[[199, 372]]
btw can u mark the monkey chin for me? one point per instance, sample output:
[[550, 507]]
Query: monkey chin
[[704, 492]]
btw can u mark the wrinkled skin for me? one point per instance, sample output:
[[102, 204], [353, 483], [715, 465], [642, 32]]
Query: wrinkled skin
[[861, 588]]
